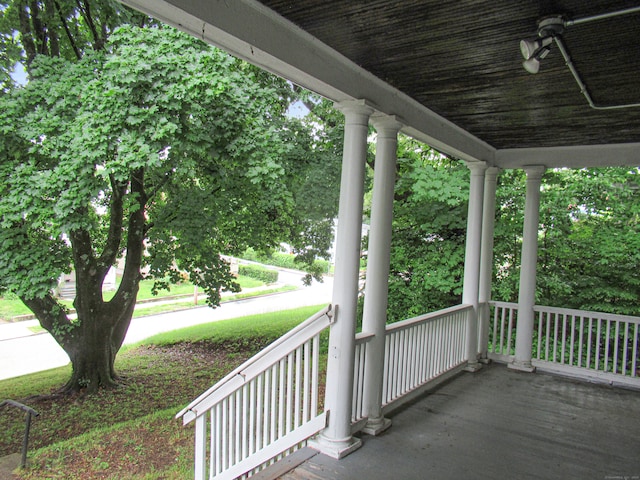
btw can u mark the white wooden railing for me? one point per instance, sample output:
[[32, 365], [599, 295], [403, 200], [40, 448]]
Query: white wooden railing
[[591, 345], [267, 406], [602, 343], [417, 351], [421, 349], [502, 331]]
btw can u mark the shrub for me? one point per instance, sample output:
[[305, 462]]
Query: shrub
[[283, 260], [259, 273]]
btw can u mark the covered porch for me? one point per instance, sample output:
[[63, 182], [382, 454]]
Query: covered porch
[[449, 74], [497, 423]]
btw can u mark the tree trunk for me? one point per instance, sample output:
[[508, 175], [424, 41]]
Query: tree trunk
[[92, 360]]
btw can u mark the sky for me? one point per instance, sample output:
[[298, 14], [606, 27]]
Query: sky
[[19, 74]]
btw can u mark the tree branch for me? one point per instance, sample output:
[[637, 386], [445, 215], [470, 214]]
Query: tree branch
[[135, 243], [65, 25], [85, 10], [26, 34], [114, 236], [52, 316]]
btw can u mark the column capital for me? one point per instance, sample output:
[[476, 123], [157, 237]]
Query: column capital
[[534, 172], [386, 125], [492, 171], [355, 111], [477, 168]]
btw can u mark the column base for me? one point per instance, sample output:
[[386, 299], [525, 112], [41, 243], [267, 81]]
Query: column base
[[473, 367], [376, 426], [485, 361], [335, 448], [521, 366]]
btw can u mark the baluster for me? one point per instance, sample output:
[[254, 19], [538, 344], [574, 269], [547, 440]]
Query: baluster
[[306, 379], [226, 432], [616, 346], [289, 395], [580, 341], [247, 414], [564, 338], [386, 369], [237, 418], [598, 338], [315, 375], [201, 447], [494, 340], [634, 365], [298, 388], [502, 324], [606, 346], [282, 387], [625, 349], [273, 413], [510, 331], [259, 410]]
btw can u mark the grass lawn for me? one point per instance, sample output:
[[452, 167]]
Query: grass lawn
[[130, 432], [11, 307]]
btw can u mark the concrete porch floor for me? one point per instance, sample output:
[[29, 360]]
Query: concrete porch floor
[[500, 424]]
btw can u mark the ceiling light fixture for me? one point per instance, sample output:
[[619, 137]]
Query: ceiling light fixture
[[535, 50], [550, 30]]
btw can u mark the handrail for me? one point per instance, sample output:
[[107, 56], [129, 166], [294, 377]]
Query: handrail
[[246, 372], [503, 304], [615, 317], [30, 412], [408, 323], [364, 337]]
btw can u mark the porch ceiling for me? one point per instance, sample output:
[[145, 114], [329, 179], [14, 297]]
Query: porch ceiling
[[451, 70]]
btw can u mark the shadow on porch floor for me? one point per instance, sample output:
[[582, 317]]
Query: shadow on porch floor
[[499, 423]]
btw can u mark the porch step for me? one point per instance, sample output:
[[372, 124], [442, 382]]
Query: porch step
[[286, 465], [8, 464]]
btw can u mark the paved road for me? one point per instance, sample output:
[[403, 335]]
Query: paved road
[[22, 352]]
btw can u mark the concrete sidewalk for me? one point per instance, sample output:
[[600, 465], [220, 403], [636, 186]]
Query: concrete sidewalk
[[25, 328], [22, 351]]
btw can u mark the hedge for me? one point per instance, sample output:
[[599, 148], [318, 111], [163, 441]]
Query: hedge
[[259, 273], [283, 260]]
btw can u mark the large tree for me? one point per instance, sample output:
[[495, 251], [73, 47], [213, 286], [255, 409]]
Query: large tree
[[155, 147]]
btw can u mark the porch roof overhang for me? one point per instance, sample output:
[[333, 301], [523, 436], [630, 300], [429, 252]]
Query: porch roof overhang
[[451, 71]]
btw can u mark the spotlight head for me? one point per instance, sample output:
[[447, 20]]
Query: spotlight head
[[532, 65], [528, 48]]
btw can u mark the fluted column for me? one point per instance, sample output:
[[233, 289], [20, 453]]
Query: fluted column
[[486, 258], [336, 440], [472, 260], [377, 285], [528, 261]]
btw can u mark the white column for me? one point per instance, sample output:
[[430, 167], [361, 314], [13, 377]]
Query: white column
[[336, 440], [377, 285], [529, 258], [472, 261], [486, 258]]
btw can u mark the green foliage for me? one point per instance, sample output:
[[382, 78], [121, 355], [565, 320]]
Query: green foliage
[[427, 251], [588, 241], [259, 273], [285, 260]]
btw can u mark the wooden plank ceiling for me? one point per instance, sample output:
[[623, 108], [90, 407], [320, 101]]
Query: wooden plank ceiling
[[461, 59]]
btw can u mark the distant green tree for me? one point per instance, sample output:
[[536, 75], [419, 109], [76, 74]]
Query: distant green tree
[[588, 256], [427, 251], [588, 244]]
